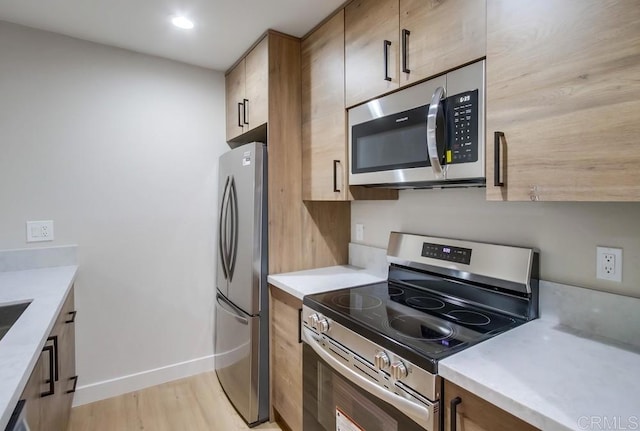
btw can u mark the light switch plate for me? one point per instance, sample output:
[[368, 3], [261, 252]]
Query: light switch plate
[[359, 232], [38, 231]]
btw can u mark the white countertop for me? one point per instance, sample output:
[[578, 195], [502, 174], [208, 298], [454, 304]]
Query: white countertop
[[552, 377], [301, 283], [20, 348]]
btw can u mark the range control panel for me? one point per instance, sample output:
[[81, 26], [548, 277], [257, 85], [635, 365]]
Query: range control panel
[[463, 127], [446, 252]]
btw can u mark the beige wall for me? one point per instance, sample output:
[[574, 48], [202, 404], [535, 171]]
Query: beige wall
[[565, 233], [120, 150]]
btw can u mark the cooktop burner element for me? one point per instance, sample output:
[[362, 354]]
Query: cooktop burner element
[[418, 328], [395, 291], [356, 301], [425, 303], [469, 317]]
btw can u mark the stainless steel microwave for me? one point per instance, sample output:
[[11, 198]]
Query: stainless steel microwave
[[427, 135]]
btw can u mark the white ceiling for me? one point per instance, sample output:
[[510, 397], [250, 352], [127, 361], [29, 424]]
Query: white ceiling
[[224, 29]]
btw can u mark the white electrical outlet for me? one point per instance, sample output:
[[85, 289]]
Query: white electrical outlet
[[38, 231], [359, 232], [609, 264]]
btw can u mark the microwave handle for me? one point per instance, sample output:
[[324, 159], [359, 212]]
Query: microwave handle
[[432, 144]]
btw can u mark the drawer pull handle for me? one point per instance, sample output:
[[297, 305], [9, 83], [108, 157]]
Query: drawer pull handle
[[454, 412], [73, 317], [75, 383], [50, 380]]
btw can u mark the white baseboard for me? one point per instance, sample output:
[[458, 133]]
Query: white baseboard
[[133, 382]]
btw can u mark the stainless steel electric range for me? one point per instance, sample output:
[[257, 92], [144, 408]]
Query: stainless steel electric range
[[370, 358]]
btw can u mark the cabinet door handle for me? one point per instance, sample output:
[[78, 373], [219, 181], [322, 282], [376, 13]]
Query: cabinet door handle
[[75, 383], [454, 412], [405, 40], [54, 338], [50, 380], [73, 317], [385, 50], [497, 139], [300, 326], [335, 176], [240, 109], [245, 106]]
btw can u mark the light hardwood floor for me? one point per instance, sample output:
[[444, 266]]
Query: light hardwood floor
[[195, 403]]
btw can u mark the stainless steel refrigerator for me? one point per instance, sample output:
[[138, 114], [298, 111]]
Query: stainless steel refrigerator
[[241, 316]]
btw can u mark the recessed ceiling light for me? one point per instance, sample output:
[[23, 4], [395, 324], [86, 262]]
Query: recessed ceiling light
[[182, 22]]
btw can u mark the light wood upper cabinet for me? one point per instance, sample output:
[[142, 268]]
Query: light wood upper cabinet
[[256, 85], [325, 166], [436, 36], [562, 85], [475, 414], [371, 29], [324, 155], [246, 89], [234, 95]]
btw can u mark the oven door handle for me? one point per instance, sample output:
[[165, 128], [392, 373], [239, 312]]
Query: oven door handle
[[416, 412]]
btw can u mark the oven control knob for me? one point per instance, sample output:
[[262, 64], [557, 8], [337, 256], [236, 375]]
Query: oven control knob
[[312, 320], [381, 360], [322, 325], [398, 370]]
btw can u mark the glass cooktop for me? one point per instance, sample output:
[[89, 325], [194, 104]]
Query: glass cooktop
[[430, 325]]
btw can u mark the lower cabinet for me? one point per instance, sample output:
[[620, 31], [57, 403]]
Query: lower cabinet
[[286, 359], [49, 390], [472, 413]]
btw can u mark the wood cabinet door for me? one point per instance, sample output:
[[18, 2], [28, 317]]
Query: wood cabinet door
[[370, 25], [234, 97], [475, 414], [437, 36], [563, 87], [286, 358], [32, 393], [324, 140], [67, 360], [257, 85]]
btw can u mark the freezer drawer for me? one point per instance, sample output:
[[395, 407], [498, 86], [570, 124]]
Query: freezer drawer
[[237, 357]]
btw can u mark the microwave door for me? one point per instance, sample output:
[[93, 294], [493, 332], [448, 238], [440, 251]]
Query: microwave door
[[436, 137]]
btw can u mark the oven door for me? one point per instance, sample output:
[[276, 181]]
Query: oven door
[[335, 401]]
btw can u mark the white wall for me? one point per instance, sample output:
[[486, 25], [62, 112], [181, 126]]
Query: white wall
[[565, 233], [120, 150]]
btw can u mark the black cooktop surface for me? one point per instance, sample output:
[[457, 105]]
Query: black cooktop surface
[[428, 325]]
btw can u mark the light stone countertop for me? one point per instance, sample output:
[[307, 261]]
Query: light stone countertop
[[553, 377], [46, 289], [302, 283]]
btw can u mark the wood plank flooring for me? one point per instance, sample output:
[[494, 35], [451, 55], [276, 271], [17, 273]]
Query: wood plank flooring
[[195, 403]]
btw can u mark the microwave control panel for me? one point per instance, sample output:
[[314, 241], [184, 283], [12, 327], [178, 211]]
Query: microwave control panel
[[463, 133]]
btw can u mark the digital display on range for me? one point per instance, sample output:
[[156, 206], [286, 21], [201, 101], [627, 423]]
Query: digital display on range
[[446, 252]]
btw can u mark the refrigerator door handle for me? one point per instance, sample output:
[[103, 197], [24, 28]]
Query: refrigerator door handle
[[230, 309], [222, 230], [233, 245]]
